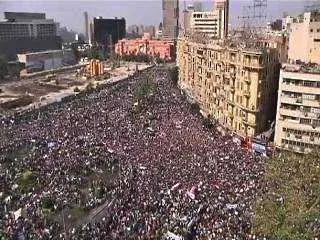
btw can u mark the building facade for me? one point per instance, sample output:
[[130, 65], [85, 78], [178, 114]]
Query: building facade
[[27, 25], [145, 46], [236, 85], [170, 14], [24, 32], [213, 24], [187, 15], [298, 108], [304, 39], [108, 30], [86, 26]]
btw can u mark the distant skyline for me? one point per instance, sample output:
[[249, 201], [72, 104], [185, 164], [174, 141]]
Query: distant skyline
[[70, 13]]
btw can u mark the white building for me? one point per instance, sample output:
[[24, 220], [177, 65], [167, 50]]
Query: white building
[[212, 23], [47, 60], [298, 109]]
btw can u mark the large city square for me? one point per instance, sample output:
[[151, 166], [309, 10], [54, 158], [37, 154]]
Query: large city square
[[153, 170]]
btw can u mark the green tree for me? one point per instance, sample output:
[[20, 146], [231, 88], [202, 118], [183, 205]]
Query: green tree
[[174, 75], [27, 180], [207, 123], [290, 208], [195, 108], [144, 88]]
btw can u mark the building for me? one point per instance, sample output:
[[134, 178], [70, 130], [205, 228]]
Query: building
[[222, 6], [234, 82], [86, 26], [108, 30], [47, 60], [151, 30], [286, 23], [187, 15], [304, 39], [170, 12], [23, 32], [213, 24], [146, 46], [275, 25], [298, 108]]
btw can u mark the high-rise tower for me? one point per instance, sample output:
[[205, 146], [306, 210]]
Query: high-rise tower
[[170, 12], [223, 7], [86, 26]]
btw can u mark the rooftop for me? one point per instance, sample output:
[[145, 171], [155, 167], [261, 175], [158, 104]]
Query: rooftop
[[23, 15], [44, 52], [310, 68]]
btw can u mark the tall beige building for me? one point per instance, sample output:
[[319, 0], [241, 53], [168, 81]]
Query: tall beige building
[[304, 40], [170, 12], [187, 15], [235, 82], [298, 115]]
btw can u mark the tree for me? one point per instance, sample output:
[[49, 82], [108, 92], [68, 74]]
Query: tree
[[144, 88], [174, 75], [290, 208], [207, 123], [3, 67], [195, 108], [76, 52]]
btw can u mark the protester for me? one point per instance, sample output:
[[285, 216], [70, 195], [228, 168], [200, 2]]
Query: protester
[[153, 171]]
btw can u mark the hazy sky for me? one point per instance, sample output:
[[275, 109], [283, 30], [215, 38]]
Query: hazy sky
[[70, 12]]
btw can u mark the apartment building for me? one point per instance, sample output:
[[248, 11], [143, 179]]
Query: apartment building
[[304, 39], [298, 115], [234, 82]]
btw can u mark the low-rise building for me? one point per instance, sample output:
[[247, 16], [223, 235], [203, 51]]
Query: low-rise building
[[234, 82], [47, 60], [146, 46], [298, 109]]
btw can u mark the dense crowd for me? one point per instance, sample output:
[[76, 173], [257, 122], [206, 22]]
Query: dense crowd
[[100, 166]]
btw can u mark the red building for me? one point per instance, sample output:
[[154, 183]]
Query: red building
[[145, 46]]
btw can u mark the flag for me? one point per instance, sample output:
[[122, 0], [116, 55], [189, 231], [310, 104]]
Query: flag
[[175, 187], [17, 214]]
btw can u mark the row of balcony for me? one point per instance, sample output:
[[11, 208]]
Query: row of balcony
[[299, 114], [301, 138], [299, 89], [299, 101]]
